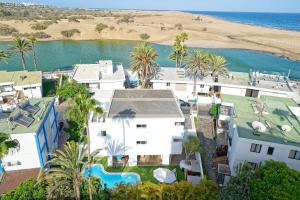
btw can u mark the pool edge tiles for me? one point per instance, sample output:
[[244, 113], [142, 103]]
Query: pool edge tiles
[[111, 179]]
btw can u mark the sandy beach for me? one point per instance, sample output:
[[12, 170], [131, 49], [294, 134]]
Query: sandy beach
[[162, 27]]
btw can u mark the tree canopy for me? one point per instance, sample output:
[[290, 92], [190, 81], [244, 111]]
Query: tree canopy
[[71, 89]]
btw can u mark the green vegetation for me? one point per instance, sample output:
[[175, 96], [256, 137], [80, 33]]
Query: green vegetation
[[38, 35], [144, 36], [143, 62], [197, 66], [6, 143], [4, 55], [100, 27], [6, 30], [217, 65], [126, 19], [180, 50], [42, 25], [27, 190], [21, 46], [70, 33], [73, 19], [70, 89], [49, 88], [191, 145], [273, 180], [214, 110]]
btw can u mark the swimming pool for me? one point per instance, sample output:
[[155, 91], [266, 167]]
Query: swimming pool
[[112, 179]]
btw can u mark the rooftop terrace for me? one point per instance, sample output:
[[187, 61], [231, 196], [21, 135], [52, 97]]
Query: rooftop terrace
[[144, 103], [278, 114], [21, 77], [14, 128]]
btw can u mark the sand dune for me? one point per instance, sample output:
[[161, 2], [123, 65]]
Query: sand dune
[[205, 32]]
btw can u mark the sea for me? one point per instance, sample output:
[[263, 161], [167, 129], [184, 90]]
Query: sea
[[284, 21]]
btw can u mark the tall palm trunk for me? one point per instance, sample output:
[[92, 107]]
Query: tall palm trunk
[[77, 189], [195, 80], [89, 158], [23, 60], [34, 57]]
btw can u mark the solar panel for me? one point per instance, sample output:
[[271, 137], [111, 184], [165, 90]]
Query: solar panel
[[19, 118], [26, 106]]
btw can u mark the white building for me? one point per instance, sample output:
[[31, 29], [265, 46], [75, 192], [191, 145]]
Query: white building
[[34, 126], [17, 85], [101, 76], [141, 127], [241, 84], [275, 137]]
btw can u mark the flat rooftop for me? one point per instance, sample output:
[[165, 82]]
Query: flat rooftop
[[144, 104], [21, 77], [94, 73], [14, 128], [171, 74], [278, 114]]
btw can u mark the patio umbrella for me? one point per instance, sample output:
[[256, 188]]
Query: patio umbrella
[[164, 175]]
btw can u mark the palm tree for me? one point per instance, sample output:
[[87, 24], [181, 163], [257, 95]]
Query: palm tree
[[217, 66], [21, 46], [180, 50], [144, 62], [4, 55], [33, 41], [197, 66], [6, 144], [68, 167], [80, 108]]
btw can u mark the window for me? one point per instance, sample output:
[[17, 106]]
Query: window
[[168, 84], [141, 125], [270, 151], [179, 123], [201, 86], [177, 140], [255, 148], [294, 154], [102, 133], [141, 142]]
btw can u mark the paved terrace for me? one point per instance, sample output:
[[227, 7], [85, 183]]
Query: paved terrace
[[144, 103], [9, 128], [278, 115]]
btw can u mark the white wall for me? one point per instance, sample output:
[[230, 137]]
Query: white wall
[[240, 152], [112, 85], [233, 91], [274, 94], [31, 91], [159, 135], [27, 155]]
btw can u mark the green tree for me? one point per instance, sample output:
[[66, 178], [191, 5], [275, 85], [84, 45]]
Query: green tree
[[21, 46], [71, 89], [29, 189], [191, 145], [4, 55], [239, 185], [6, 143], [217, 65], [180, 50], [33, 41], [143, 62], [197, 66], [80, 108], [68, 168], [206, 190], [275, 180]]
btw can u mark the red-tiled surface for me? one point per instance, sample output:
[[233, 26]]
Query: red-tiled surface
[[12, 179]]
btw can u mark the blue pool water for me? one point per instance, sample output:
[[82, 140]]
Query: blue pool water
[[112, 179], [285, 21]]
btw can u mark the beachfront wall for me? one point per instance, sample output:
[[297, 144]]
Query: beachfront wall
[[239, 152], [231, 90], [34, 148], [138, 136]]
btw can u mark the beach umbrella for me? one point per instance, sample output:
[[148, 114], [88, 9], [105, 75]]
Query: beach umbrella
[[164, 175]]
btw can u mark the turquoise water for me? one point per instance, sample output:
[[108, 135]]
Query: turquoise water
[[112, 179], [57, 54], [286, 21]]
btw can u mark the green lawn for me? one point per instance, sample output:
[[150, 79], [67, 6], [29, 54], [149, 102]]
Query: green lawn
[[145, 172]]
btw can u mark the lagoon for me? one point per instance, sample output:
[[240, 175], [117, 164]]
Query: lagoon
[[58, 54]]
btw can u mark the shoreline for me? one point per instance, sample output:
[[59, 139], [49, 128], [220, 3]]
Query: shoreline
[[206, 32]]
